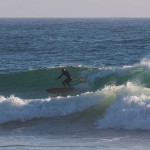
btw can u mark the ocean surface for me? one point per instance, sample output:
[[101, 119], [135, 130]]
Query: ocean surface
[[108, 109]]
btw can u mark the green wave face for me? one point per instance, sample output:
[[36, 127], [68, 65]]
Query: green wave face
[[33, 83]]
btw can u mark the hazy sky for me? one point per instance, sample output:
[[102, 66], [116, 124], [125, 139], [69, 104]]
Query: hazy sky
[[74, 8]]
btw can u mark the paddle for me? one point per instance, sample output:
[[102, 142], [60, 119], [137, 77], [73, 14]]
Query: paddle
[[80, 79]]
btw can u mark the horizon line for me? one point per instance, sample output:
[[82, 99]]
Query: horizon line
[[74, 17]]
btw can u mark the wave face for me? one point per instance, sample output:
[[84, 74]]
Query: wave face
[[116, 97], [34, 82]]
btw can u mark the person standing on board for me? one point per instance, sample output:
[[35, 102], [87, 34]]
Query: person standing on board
[[67, 81]]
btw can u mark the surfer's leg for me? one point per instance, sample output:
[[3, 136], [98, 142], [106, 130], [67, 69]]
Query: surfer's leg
[[64, 83], [68, 82]]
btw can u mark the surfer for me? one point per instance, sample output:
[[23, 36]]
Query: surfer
[[67, 74]]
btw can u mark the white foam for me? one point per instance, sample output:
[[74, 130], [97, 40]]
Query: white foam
[[131, 110], [14, 108], [145, 62]]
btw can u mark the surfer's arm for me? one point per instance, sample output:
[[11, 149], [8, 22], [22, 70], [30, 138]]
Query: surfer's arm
[[59, 77]]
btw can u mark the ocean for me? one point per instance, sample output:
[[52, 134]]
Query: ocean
[[108, 109]]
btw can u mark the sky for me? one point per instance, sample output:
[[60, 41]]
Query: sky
[[74, 8]]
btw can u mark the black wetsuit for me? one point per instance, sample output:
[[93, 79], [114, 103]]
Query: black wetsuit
[[67, 80]]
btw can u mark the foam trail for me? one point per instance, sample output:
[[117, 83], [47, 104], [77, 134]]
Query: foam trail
[[131, 110], [13, 108]]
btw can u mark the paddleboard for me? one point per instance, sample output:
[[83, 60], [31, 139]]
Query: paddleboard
[[59, 90]]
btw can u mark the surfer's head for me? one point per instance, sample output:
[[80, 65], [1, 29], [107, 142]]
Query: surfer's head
[[62, 69]]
